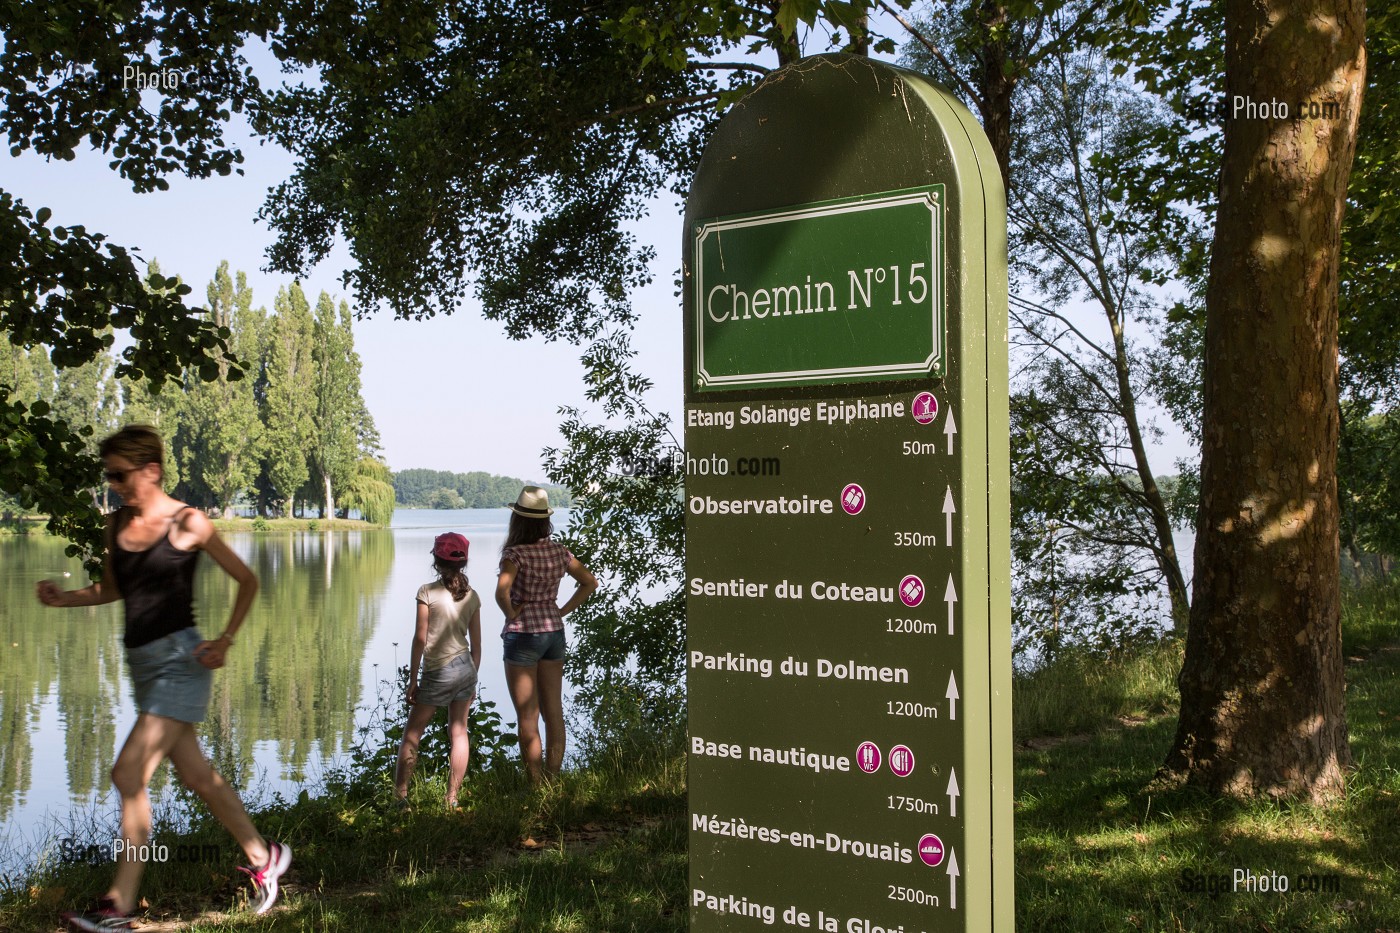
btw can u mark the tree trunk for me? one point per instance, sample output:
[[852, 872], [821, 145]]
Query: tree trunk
[[996, 86], [1262, 707], [329, 510]]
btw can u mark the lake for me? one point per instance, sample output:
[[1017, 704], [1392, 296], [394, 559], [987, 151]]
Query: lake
[[333, 620]]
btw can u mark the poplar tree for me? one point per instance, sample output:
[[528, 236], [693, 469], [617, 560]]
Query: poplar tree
[[289, 402], [221, 435], [339, 408]]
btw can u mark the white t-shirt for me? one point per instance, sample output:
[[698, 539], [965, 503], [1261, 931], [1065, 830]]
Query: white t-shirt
[[447, 622]]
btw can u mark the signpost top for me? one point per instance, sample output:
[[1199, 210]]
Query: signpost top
[[817, 150]]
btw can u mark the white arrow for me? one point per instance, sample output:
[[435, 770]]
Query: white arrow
[[950, 596], [953, 792], [953, 874], [952, 696], [950, 427], [948, 509]]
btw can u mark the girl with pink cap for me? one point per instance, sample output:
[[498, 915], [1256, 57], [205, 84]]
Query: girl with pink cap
[[447, 649]]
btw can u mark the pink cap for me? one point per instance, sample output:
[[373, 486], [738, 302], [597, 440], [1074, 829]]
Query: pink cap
[[450, 546]]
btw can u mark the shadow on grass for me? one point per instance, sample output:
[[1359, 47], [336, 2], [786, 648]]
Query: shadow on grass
[[1100, 848]]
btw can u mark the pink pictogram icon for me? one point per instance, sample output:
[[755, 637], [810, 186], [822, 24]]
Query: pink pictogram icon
[[931, 850], [911, 591], [853, 498], [901, 761], [925, 408], [868, 757]]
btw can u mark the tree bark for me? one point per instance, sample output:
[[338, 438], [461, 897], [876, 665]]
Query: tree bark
[[997, 85], [1262, 709]]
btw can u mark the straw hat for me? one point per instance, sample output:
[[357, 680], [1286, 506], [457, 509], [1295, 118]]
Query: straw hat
[[533, 503]]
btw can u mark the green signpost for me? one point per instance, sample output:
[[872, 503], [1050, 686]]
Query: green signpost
[[847, 500]]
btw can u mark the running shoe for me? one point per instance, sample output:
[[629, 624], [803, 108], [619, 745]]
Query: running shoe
[[265, 878], [103, 916]]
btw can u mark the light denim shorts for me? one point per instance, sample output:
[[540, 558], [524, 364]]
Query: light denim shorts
[[455, 680], [529, 648], [166, 680]]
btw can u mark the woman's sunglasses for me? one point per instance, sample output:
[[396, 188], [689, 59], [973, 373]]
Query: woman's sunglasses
[[118, 476]]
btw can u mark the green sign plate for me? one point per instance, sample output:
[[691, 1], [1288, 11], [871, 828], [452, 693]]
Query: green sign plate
[[825, 660], [848, 290]]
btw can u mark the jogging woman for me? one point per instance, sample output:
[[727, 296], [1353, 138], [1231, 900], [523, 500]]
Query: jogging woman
[[153, 543]]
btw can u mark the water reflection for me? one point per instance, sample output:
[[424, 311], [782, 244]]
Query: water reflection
[[293, 679]]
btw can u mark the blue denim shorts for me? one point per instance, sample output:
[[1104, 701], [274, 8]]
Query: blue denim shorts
[[453, 681], [166, 680], [529, 648]]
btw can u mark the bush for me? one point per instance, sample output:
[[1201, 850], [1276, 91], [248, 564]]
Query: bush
[[370, 771]]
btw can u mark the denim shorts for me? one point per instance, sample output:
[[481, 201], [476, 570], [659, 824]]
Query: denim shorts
[[455, 680], [529, 648], [166, 680]]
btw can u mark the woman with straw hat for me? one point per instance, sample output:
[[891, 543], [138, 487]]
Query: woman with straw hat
[[527, 590]]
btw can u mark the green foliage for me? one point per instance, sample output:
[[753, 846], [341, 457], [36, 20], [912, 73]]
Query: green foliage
[[554, 142], [339, 417], [64, 287], [371, 491], [369, 772], [621, 715], [629, 530], [439, 489], [288, 399], [1093, 561], [1370, 482], [220, 433]]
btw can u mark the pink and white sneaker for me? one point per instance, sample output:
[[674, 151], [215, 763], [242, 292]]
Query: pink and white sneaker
[[265, 878], [102, 916]]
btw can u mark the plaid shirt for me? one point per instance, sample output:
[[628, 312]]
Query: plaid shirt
[[540, 567]]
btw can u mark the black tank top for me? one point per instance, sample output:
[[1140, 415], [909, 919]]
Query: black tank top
[[157, 585]]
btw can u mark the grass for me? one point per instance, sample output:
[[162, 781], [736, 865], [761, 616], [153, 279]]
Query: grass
[[1099, 846]]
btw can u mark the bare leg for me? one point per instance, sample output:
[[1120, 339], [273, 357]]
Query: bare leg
[[551, 692], [523, 693], [457, 717], [151, 740], [198, 775], [408, 749]]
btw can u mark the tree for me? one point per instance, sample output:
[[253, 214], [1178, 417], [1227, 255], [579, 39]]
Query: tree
[[630, 530], [289, 403], [64, 287], [1082, 465], [339, 409], [371, 491], [221, 431], [1261, 687]]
